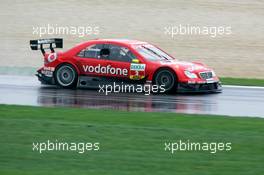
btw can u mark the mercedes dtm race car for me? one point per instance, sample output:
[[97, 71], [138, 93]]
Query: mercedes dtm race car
[[103, 61]]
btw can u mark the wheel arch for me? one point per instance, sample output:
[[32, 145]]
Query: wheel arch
[[74, 83], [163, 68], [70, 63]]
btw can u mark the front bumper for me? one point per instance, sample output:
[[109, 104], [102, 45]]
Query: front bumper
[[45, 79], [201, 87]]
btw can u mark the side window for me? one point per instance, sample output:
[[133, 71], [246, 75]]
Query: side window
[[119, 53], [92, 51]]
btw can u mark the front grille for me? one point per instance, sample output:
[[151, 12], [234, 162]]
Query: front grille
[[206, 75]]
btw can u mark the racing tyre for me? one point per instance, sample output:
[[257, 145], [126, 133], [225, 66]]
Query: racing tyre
[[167, 79], [66, 76]]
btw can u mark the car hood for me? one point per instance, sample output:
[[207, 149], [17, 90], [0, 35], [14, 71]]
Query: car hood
[[183, 65]]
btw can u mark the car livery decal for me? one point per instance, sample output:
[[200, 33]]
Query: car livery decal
[[52, 57], [48, 71], [137, 71], [105, 70]]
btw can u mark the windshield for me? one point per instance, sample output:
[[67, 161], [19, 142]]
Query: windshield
[[152, 53]]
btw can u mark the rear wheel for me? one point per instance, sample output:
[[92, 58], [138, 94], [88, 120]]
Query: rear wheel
[[66, 76], [167, 79]]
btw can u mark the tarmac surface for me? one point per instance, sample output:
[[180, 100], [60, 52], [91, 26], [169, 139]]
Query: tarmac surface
[[233, 101]]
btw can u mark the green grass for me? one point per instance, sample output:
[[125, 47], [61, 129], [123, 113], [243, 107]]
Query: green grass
[[130, 142], [242, 81]]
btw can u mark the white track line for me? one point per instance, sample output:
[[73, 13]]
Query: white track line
[[243, 87]]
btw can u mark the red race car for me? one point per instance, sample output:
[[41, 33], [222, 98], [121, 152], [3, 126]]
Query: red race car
[[103, 61]]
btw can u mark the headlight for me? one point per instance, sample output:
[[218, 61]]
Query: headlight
[[190, 74], [213, 74]]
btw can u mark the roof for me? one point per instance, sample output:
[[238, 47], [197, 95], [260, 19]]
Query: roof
[[126, 41]]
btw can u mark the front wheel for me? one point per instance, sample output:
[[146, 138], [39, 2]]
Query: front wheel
[[66, 76], [167, 79]]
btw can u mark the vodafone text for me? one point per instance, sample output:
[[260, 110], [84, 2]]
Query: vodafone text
[[105, 70]]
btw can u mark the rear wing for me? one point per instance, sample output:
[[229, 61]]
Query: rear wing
[[42, 44]]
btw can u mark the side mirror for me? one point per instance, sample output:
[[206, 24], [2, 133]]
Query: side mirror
[[135, 61]]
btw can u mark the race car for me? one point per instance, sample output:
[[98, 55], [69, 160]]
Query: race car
[[102, 61]]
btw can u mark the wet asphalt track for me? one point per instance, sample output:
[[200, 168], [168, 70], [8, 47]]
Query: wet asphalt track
[[234, 101]]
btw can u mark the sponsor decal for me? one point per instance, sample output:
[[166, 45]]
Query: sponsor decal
[[211, 80], [46, 41], [137, 67], [105, 70], [201, 82], [52, 57], [137, 71], [48, 71]]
